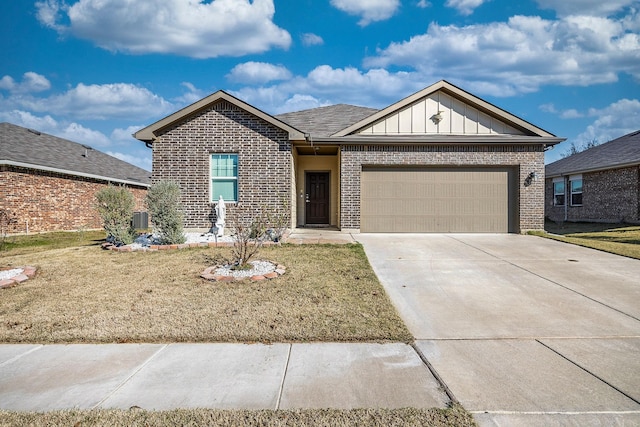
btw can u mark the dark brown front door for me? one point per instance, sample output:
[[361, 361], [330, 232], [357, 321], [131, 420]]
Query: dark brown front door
[[317, 198]]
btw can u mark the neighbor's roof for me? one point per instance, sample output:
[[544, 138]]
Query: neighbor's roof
[[36, 150], [620, 152], [325, 121]]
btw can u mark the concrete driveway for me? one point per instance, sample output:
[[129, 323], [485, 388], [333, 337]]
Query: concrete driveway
[[521, 329]]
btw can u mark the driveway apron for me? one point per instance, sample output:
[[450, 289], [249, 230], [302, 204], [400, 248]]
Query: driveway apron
[[523, 330]]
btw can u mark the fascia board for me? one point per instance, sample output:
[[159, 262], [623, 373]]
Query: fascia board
[[72, 173]]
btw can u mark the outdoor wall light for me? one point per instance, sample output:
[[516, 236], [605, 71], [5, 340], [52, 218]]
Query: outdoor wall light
[[533, 176]]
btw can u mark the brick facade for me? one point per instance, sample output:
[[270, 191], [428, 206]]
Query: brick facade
[[607, 196], [44, 201], [182, 154], [526, 158]]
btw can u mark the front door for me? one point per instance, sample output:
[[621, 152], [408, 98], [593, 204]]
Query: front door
[[317, 198]]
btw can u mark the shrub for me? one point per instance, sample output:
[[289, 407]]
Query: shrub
[[163, 203], [115, 206], [6, 220]]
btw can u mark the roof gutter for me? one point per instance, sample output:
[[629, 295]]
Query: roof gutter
[[72, 173], [438, 140], [599, 169]]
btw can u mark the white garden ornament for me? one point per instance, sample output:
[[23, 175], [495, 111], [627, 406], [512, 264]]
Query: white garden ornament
[[221, 212]]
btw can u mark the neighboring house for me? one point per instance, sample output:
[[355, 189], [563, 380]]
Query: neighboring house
[[49, 183], [601, 184], [440, 160]]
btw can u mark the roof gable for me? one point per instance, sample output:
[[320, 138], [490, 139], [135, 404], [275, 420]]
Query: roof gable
[[617, 153], [36, 150], [151, 132], [443, 108]]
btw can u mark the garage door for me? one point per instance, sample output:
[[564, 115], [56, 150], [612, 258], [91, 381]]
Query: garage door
[[442, 200]]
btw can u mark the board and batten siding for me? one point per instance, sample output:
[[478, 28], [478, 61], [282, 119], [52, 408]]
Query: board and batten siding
[[458, 118]]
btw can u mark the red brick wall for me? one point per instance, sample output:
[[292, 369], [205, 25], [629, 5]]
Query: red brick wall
[[46, 201], [524, 158], [182, 154]]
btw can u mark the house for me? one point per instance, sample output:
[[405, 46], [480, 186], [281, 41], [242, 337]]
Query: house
[[601, 184], [49, 183], [440, 160]]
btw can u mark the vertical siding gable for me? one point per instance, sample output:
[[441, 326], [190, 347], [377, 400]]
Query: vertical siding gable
[[458, 118]]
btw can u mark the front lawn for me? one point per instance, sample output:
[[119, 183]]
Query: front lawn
[[614, 238], [84, 294]]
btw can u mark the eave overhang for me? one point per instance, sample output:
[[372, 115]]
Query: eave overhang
[[150, 133], [591, 170], [74, 173], [438, 139]]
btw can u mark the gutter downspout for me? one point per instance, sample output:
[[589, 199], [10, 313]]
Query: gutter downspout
[[566, 197]]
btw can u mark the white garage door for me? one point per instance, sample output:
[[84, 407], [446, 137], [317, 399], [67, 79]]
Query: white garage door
[[440, 200]]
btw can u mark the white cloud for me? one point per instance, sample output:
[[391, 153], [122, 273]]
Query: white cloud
[[613, 121], [310, 39], [325, 85], [31, 82], [368, 10], [464, 7], [258, 72], [194, 28], [142, 159], [126, 134], [585, 7], [520, 55], [72, 131], [423, 4], [96, 102], [571, 114]]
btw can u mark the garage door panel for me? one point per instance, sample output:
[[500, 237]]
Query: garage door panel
[[435, 200]]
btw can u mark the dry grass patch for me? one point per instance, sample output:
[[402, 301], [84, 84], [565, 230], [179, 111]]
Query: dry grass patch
[[84, 294], [455, 416], [614, 238]]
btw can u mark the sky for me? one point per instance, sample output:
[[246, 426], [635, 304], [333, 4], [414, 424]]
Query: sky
[[96, 71]]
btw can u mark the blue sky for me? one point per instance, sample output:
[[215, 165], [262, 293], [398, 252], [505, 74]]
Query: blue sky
[[95, 71]]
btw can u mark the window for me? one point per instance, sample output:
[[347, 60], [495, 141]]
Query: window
[[224, 177], [558, 192], [575, 183]]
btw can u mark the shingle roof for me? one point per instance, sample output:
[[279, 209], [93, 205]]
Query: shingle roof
[[29, 147], [325, 121], [619, 152]]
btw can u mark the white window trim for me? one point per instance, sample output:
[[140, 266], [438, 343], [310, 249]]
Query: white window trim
[[213, 198], [555, 181]]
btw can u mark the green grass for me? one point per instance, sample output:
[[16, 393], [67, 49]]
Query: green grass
[[39, 242], [453, 417], [619, 239]]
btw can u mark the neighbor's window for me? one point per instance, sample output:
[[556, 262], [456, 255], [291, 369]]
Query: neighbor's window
[[224, 177], [558, 193], [576, 190]]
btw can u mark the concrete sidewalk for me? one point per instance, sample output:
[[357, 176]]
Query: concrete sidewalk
[[219, 376]]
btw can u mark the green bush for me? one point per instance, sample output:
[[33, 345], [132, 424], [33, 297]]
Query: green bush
[[163, 203], [115, 206]]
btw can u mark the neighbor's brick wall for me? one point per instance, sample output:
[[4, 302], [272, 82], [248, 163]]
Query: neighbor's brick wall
[[607, 196], [181, 154], [527, 158], [46, 201]]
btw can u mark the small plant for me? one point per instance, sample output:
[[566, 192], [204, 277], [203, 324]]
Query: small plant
[[249, 233], [278, 220], [6, 219], [163, 203], [115, 206]]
